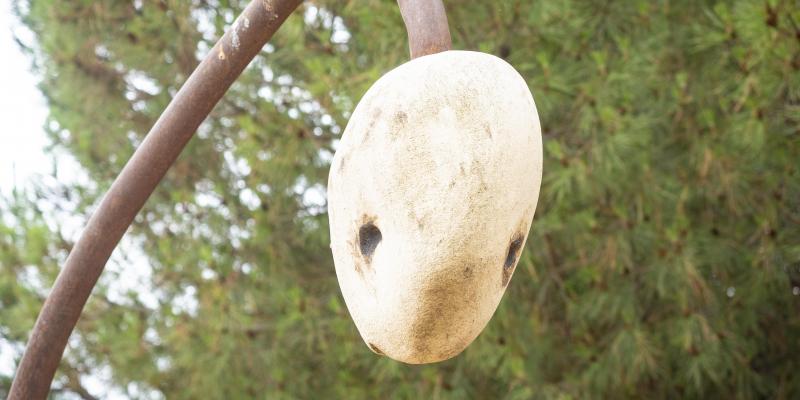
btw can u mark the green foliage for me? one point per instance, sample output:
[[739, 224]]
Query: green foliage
[[663, 256]]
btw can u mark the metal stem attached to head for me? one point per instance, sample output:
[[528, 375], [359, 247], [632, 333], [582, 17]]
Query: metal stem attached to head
[[426, 24], [427, 31]]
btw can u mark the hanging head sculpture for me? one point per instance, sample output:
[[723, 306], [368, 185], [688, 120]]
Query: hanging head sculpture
[[431, 195]]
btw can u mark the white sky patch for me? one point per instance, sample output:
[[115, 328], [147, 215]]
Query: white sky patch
[[7, 354], [128, 272], [22, 111], [187, 301], [139, 80], [316, 17], [340, 33], [22, 115], [249, 198], [314, 197]]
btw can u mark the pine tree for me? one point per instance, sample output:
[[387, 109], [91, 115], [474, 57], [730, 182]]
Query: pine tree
[[664, 258]]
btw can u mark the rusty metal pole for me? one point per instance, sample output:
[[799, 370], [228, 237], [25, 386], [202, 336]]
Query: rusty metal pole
[[428, 33], [426, 24], [133, 186]]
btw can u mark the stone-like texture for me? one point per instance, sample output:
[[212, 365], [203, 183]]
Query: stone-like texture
[[431, 196]]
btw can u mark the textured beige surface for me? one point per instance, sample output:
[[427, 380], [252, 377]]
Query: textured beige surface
[[442, 157]]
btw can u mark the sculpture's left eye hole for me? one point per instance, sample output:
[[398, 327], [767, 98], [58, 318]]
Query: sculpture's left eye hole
[[368, 238], [513, 250]]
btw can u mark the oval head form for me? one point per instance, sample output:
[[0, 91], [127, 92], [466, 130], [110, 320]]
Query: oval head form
[[431, 196]]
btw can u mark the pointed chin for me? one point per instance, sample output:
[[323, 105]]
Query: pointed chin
[[419, 311]]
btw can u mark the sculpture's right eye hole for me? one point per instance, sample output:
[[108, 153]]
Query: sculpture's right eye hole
[[368, 238], [513, 251]]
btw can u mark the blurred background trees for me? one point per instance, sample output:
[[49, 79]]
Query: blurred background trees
[[664, 259]]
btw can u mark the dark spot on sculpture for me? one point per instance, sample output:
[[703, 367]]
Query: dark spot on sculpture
[[511, 257], [376, 116], [375, 349], [478, 170], [401, 118], [368, 238], [359, 268], [358, 261], [467, 273], [488, 130]]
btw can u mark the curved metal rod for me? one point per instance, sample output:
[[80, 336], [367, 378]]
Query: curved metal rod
[[428, 33]]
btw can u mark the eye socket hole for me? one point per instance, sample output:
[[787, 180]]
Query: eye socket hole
[[513, 250], [368, 238]]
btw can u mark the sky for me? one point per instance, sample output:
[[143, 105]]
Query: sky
[[22, 116], [22, 111]]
